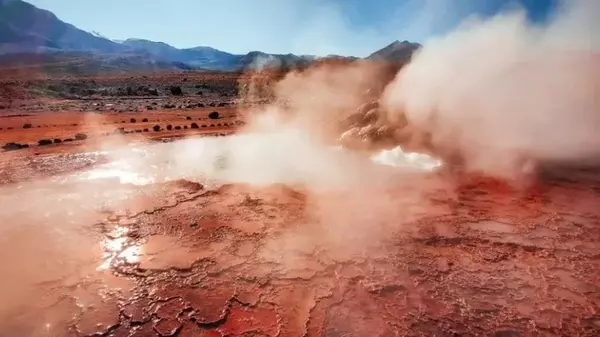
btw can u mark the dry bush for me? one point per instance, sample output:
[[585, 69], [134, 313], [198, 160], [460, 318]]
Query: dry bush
[[44, 142], [81, 136], [176, 91]]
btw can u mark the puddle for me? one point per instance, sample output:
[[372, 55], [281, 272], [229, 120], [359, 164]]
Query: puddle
[[259, 159], [398, 158]]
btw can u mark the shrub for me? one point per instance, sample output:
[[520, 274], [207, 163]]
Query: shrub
[[213, 115], [188, 118], [156, 128], [185, 126], [145, 120], [27, 126], [57, 140], [149, 107], [68, 140], [138, 131], [169, 127], [146, 130], [132, 120], [81, 136], [12, 146], [176, 90], [203, 125], [44, 142], [212, 125], [194, 125]]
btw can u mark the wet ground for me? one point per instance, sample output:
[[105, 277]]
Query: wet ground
[[105, 251]]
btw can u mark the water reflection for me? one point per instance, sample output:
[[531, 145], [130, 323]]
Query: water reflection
[[397, 157], [253, 159], [117, 247]]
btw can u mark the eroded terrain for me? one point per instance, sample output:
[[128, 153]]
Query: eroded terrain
[[424, 254]]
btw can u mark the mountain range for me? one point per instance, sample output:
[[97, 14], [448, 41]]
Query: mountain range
[[30, 33]]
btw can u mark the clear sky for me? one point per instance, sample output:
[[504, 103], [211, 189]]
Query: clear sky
[[319, 27]]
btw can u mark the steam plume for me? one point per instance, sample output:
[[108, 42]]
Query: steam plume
[[501, 89]]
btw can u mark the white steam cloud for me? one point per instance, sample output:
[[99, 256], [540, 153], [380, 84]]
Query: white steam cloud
[[500, 89]]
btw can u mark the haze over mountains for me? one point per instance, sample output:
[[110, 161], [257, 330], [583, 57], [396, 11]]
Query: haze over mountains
[[26, 29]]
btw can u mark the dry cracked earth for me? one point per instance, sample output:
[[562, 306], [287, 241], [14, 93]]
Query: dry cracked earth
[[472, 257]]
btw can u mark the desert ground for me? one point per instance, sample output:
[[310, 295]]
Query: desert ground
[[128, 231]]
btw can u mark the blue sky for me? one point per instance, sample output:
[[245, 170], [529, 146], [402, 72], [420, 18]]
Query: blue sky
[[320, 27]]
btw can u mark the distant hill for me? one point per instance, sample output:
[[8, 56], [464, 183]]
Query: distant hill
[[395, 52], [26, 29], [84, 63], [29, 28]]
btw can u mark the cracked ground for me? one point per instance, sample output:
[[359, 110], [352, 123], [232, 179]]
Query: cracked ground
[[470, 257]]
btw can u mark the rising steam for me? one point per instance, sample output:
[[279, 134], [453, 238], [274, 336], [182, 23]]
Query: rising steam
[[500, 90]]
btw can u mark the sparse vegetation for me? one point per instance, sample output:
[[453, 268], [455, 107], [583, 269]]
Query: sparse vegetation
[[81, 136], [44, 142], [12, 146], [176, 91]]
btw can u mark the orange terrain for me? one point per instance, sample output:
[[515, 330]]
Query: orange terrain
[[128, 232]]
